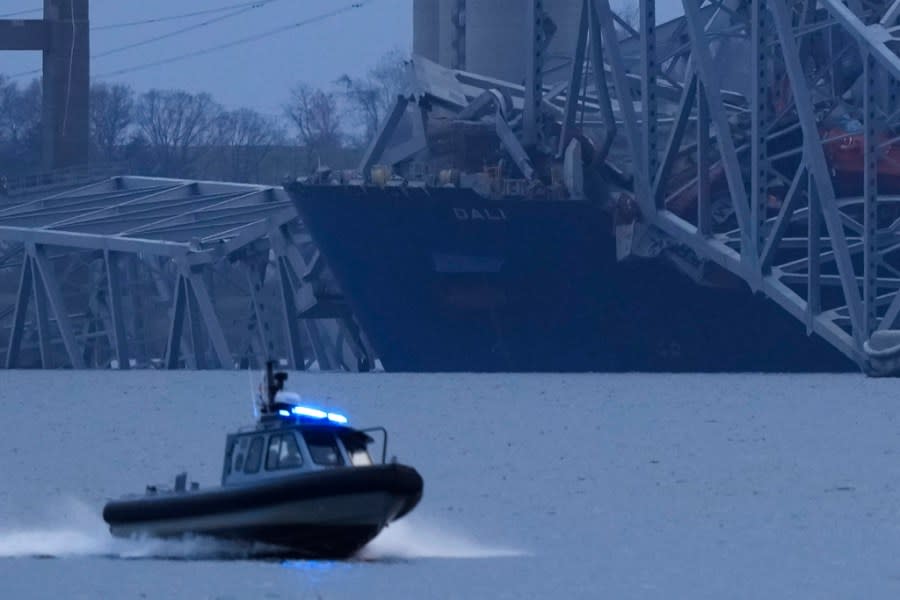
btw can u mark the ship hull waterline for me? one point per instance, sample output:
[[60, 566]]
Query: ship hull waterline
[[442, 279]]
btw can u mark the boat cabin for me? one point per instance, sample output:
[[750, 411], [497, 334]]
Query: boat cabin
[[293, 438]]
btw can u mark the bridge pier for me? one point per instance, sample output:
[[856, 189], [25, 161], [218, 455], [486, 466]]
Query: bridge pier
[[63, 36]]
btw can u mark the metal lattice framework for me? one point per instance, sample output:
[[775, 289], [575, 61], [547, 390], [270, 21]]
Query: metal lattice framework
[[143, 271], [746, 140], [760, 136]]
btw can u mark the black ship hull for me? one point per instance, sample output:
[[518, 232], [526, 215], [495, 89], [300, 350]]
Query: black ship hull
[[442, 279], [323, 514]]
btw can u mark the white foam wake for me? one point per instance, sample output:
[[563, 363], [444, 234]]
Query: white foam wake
[[76, 530], [417, 538]]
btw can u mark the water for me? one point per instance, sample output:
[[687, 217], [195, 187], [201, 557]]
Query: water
[[537, 486]]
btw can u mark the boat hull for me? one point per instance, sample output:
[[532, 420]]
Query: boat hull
[[442, 279], [330, 513]]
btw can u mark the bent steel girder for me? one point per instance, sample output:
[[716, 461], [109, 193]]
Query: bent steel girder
[[139, 270], [605, 26], [23, 298], [114, 291], [47, 283], [786, 171]]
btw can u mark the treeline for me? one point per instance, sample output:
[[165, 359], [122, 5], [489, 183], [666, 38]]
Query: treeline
[[174, 133]]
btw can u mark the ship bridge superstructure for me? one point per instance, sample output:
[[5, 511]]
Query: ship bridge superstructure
[[747, 142]]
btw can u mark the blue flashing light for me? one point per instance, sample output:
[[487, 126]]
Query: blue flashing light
[[314, 413], [336, 418], [305, 411]]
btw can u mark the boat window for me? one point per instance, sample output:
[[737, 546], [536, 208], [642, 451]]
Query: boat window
[[229, 456], [254, 456], [289, 456], [272, 453], [359, 456], [323, 448], [284, 453]]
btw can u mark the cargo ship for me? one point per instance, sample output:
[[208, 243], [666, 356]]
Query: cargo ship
[[487, 229], [444, 279]]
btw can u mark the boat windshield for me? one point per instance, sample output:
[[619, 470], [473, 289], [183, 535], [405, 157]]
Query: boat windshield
[[323, 448], [283, 453]]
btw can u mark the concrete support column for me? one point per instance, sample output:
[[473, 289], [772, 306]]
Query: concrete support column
[[66, 94], [426, 29]]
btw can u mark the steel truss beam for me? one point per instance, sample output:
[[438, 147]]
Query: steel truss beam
[[179, 232], [333, 337], [23, 297], [604, 22], [43, 322], [118, 337], [192, 300], [380, 141], [576, 80], [788, 230], [261, 340], [49, 285], [534, 70], [176, 326]]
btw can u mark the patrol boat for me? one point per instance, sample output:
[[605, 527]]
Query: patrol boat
[[301, 481]]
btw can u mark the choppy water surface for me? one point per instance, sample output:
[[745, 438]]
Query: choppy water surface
[[537, 486]]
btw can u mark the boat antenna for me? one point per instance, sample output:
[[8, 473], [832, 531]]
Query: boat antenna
[[255, 397]]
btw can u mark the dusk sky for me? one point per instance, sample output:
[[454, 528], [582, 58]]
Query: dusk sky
[[257, 74]]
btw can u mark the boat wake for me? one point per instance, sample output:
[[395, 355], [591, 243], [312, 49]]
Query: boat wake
[[415, 537], [73, 543], [78, 531]]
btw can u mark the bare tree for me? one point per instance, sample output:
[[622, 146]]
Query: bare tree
[[316, 117], [371, 97], [177, 127], [112, 115], [20, 125], [247, 138]]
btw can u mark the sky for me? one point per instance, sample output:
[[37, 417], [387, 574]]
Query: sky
[[257, 75]]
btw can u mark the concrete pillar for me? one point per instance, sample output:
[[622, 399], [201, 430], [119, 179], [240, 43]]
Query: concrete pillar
[[497, 38], [426, 29], [66, 95], [447, 25]]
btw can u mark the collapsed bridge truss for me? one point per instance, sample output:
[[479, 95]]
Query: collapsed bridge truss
[[753, 141], [753, 138], [761, 137], [143, 272]]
